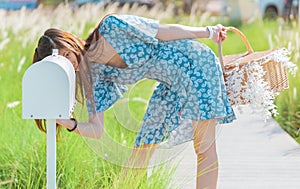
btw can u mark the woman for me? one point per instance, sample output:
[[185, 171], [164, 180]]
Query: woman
[[124, 49]]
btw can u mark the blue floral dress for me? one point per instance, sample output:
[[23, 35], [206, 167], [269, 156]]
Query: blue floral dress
[[189, 75]]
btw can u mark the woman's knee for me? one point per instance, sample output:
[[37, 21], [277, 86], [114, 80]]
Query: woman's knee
[[205, 150], [204, 136]]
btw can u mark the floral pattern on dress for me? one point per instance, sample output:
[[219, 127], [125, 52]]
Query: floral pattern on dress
[[189, 75]]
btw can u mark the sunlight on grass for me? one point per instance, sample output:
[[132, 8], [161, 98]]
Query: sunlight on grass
[[22, 161], [288, 102], [23, 148]]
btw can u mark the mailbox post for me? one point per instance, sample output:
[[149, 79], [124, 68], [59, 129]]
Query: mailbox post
[[48, 92]]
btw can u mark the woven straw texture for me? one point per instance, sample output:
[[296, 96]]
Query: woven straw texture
[[272, 71]]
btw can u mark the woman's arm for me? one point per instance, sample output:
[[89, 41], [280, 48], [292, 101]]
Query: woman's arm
[[93, 128], [170, 32]]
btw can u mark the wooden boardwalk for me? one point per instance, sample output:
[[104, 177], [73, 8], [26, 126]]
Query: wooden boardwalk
[[252, 155]]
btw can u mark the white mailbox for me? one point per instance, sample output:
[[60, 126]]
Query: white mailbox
[[48, 89], [48, 92]]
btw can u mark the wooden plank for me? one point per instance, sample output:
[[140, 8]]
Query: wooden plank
[[252, 154]]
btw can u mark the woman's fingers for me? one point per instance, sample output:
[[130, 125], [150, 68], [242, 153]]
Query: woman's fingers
[[219, 32], [223, 35]]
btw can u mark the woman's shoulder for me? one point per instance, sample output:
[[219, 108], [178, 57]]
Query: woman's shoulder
[[127, 18], [107, 17]]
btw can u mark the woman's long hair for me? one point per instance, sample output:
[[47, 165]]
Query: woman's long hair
[[58, 39]]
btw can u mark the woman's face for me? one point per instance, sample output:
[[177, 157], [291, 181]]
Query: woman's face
[[70, 56]]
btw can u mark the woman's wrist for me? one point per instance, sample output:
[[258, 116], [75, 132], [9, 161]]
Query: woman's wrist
[[201, 32], [75, 123], [210, 32], [205, 32]]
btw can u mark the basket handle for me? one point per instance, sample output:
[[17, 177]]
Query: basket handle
[[242, 36]]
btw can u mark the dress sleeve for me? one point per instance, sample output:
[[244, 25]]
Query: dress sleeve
[[132, 37], [106, 93]]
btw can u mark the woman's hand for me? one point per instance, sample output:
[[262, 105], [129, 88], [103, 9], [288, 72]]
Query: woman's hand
[[67, 123], [94, 128], [218, 32]]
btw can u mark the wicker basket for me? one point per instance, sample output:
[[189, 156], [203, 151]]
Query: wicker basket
[[275, 74]]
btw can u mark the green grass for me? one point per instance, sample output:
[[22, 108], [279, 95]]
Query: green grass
[[288, 101], [274, 34], [22, 146]]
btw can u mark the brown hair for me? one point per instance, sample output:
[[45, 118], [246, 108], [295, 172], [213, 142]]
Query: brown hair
[[57, 39]]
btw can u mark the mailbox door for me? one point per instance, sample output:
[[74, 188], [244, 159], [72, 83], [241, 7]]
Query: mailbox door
[[47, 91]]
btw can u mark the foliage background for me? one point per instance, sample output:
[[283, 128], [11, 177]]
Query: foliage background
[[22, 147]]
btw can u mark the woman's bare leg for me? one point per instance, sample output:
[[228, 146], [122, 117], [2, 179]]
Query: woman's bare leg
[[205, 149], [140, 156], [135, 168]]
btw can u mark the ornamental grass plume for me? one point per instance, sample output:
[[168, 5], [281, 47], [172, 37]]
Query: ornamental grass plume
[[288, 102]]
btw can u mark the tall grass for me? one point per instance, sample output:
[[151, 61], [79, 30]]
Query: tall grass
[[289, 101], [22, 146]]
